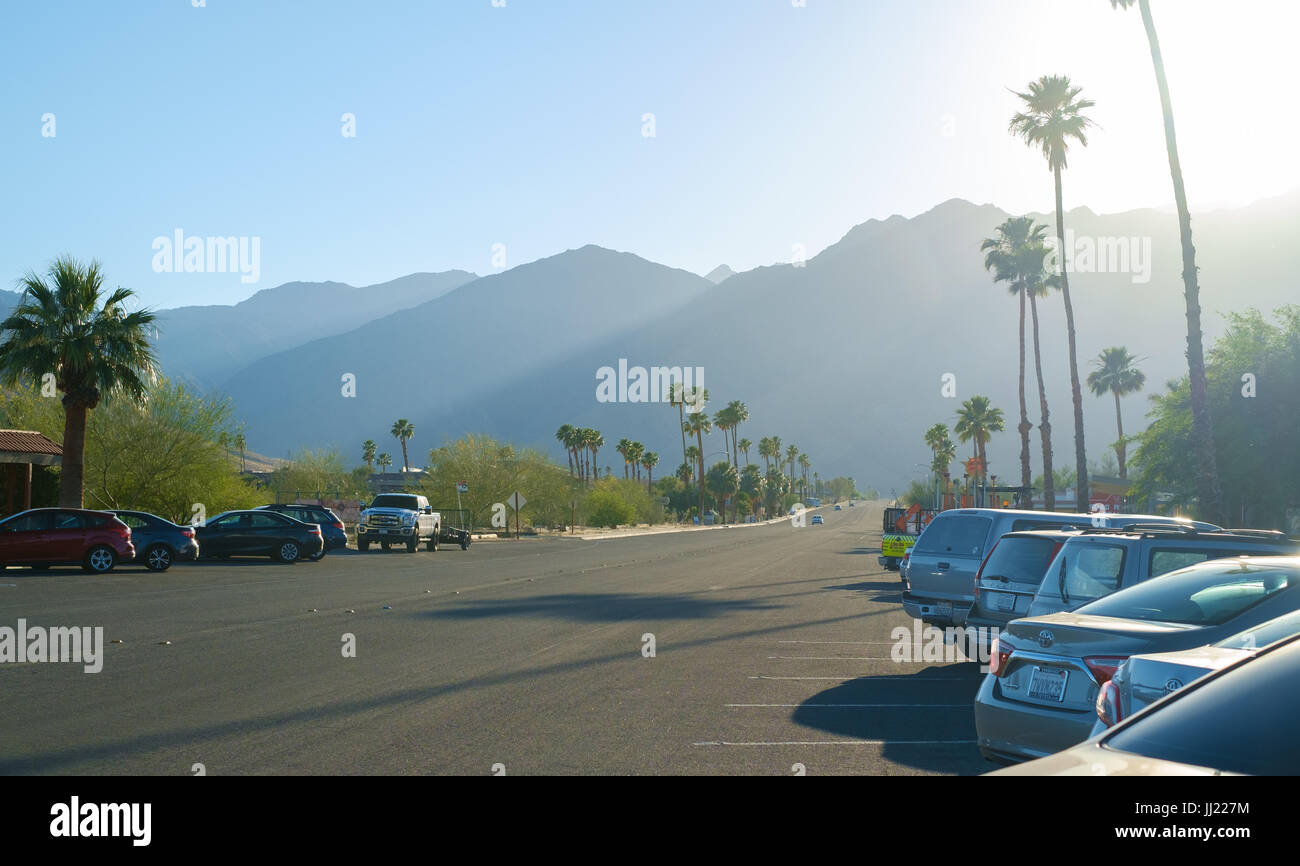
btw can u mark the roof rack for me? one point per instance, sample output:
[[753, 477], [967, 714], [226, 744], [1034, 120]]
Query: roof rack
[[1260, 535]]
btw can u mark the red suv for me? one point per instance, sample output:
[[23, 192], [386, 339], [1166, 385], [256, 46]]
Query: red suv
[[95, 540]]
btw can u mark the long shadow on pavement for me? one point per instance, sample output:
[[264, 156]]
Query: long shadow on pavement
[[926, 719], [602, 607]]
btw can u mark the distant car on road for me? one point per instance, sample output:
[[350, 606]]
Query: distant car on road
[[95, 540], [837, 508], [336, 537], [259, 533], [158, 542], [817, 518]]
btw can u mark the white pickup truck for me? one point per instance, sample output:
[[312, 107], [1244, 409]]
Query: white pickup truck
[[399, 518]]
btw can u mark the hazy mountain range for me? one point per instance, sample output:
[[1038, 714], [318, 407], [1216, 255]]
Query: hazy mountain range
[[842, 355]]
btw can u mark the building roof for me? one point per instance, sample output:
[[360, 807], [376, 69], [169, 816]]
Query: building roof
[[28, 446]]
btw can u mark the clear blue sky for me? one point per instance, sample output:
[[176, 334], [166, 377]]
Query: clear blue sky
[[522, 125]]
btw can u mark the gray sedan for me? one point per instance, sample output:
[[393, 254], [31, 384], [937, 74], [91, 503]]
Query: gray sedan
[[1145, 679], [1045, 673]]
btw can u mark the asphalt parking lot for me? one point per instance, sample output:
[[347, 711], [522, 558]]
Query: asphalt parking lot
[[771, 656]]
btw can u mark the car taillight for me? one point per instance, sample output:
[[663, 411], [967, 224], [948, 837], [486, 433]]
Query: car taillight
[[315, 530], [338, 524], [999, 656], [1108, 706], [1104, 667], [187, 531]]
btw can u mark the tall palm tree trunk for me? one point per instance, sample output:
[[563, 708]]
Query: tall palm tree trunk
[[699, 440], [1026, 474], [681, 418], [1045, 427], [1076, 391], [72, 476], [1121, 448], [1207, 475]]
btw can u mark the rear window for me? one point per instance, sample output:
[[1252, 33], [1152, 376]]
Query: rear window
[[1020, 560], [1165, 560], [1202, 595], [1084, 571], [955, 535], [1260, 636]]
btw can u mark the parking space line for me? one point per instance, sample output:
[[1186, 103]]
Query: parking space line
[[845, 743], [859, 706]]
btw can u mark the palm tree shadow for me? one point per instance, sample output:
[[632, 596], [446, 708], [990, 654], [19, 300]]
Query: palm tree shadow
[[602, 607], [925, 719]]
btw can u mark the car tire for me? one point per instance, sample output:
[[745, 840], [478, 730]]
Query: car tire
[[100, 559], [289, 551], [464, 545], [433, 541], [414, 544], [158, 557], [363, 546], [318, 555], [384, 545]]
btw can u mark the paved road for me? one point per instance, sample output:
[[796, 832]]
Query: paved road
[[772, 648]]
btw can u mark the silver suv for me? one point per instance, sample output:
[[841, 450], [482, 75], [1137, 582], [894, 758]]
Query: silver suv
[[941, 570], [1097, 562]]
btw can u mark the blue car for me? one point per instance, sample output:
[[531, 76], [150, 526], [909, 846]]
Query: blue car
[[817, 518]]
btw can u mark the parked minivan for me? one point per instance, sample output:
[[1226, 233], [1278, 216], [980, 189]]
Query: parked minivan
[[941, 570]]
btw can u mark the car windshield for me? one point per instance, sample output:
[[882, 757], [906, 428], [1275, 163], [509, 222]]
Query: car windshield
[[1209, 594], [1020, 559], [955, 535], [395, 500], [1238, 722], [1083, 571]]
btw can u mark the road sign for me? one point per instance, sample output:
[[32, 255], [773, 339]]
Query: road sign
[[462, 487], [516, 500]]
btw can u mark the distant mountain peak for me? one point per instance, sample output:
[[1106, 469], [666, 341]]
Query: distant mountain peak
[[718, 274]]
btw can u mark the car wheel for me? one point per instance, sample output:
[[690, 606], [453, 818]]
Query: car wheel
[[384, 545], [158, 558], [464, 545], [100, 559], [288, 552], [414, 544], [363, 546], [433, 542], [317, 556]]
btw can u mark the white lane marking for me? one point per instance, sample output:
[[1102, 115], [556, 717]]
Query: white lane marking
[[906, 678], [846, 743], [859, 706]]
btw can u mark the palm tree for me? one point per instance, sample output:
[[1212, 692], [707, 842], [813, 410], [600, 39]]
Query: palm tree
[[403, 430], [92, 345], [1053, 116], [738, 413], [677, 397], [744, 445], [804, 464], [724, 420], [1117, 374], [1016, 258], [791, 454], [649, 460], [624, 448], [241, 443], [697, 423], [1208, 491], [563, 436], [635, 451], [594, 442], [693, 459], [368, 454], [976, 420], [765, 451], [384, 460], [724, 481]]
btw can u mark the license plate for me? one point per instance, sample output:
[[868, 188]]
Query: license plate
[[1048, 685], [1005, 601]]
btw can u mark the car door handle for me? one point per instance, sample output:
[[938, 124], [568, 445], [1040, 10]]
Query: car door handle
[[944, 565]]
